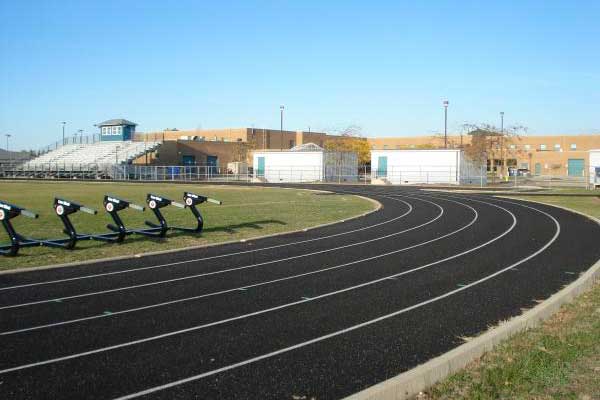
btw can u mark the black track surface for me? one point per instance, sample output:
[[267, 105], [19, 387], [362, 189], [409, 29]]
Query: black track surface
[[278, 299]]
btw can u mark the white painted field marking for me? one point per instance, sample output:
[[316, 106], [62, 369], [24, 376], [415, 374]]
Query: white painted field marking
[[282, 306], [346, 330], [244, 267], [127, 271]]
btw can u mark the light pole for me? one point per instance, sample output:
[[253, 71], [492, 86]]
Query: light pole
[[502, 141], [445, 124], [80, 135], [63, 126], [281, 108], [9, 155]]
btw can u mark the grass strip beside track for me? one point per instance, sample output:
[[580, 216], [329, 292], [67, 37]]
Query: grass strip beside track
[[558, 360], [246, 212]]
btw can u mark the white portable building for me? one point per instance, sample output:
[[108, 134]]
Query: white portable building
[[594, 168], [305, 163], [442, 167]]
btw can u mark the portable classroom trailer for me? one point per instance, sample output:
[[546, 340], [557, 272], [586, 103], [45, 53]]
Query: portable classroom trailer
[[442, 167], [594, 168], [305, 163]]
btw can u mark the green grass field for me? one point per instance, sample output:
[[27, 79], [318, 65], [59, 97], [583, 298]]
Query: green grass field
[[586, 205], [246, 212], [558, 360]]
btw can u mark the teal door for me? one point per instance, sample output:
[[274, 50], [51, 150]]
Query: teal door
[[189, 160], [538, 168], [576, 166], [381, 166], [212, 162], [260, 171]]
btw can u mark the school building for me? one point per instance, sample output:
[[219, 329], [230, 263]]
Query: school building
[[218, 147], [558, 155]]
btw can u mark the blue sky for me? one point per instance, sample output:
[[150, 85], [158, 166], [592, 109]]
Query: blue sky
[[385, 66]]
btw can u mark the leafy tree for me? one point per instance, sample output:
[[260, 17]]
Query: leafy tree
[[350, 140]]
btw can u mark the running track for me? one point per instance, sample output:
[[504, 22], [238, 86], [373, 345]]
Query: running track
[[323, 313]]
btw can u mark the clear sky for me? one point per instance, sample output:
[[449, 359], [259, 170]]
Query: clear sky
[[386, 66]]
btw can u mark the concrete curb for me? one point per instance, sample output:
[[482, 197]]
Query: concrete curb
[[154, 253], [408, 384]]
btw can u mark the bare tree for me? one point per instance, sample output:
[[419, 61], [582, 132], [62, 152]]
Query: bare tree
[[352, 130], [490, 143]]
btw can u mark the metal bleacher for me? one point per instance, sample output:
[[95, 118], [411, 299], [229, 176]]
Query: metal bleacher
[[86, 160], [95, 153]]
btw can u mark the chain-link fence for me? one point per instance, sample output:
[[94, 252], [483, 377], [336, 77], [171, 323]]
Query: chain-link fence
[[429, 175], [362, 175]]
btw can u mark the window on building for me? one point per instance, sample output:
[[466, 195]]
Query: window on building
[[527, 147], [557, 147], [542, 147], [513, 146], [573, 146]]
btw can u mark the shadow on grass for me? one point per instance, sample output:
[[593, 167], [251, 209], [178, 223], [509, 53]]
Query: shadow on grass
[[85, 248], [251, 224], [330, 194], [135, 238]]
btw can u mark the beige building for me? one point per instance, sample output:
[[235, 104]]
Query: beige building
[[218, 147], [559, 155]]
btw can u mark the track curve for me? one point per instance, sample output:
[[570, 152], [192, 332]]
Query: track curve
[[322, 313]]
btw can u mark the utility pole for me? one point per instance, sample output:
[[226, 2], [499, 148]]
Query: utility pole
[[281, 108], [63, 126], [445, 124]]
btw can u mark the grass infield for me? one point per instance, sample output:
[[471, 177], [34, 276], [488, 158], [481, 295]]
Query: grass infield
[[246, 212]]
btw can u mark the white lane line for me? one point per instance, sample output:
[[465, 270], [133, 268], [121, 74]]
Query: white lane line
[[127, 271], [264, 311], [222, 271], [346, 330], [243, 288]]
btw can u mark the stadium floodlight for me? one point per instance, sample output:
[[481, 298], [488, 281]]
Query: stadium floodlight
[[281, 108], [445, 124], [8, 135]]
